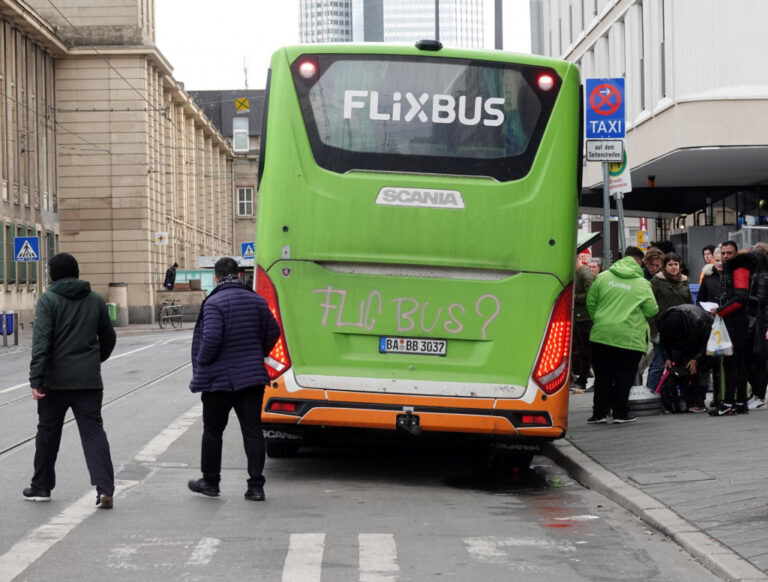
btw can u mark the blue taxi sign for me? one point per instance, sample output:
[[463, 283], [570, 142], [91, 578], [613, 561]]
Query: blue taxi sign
[[605, 108]]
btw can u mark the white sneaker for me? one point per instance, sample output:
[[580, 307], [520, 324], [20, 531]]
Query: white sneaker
[[755, 403]]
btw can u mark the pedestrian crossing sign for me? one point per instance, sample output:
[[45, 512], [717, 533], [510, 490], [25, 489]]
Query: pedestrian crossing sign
[[247, 250], [26, 249]]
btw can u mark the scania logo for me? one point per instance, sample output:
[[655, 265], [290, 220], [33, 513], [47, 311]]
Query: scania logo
[[389, 196]]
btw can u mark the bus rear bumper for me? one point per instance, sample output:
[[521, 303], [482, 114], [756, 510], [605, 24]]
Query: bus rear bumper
[[536, 424]]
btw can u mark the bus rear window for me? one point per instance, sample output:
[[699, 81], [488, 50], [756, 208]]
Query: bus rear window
[[424, 115]]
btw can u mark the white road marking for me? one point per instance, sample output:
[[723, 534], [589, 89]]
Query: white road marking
[[493, 550], [203, 552], [305, 558], [129, 353], [14, 387], [40, 540], [158, 445], [23, 384], [378, 558]]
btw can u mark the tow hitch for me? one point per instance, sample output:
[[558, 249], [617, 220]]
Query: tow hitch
[[409, 422]]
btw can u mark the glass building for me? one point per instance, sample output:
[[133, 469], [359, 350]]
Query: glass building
[[461, 21]]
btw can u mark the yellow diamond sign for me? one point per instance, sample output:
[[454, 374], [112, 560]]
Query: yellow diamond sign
[[241, 104]]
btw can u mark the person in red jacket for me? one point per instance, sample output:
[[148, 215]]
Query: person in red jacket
[[734, 300]]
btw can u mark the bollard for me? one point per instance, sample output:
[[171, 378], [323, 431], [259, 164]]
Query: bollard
[[9, 327]]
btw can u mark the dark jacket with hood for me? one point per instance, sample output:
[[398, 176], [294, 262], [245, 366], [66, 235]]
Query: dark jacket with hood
[[72, 335], [684, 331], [734, 291], [234, 332]]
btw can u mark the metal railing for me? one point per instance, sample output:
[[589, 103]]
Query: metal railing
[[748, 236]]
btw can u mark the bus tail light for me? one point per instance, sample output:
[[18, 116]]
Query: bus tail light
[[282, 406], [278, 360], [551, 371]]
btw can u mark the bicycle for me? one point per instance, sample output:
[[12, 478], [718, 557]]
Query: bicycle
[[170, 313]]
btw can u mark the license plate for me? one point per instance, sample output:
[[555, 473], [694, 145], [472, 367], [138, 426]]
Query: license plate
[[412, 345]]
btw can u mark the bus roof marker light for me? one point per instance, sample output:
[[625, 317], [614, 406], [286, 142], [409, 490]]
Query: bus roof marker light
[[307, 69], [546, 82]]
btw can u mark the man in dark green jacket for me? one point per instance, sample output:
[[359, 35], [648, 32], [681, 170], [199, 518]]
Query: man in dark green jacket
[[72, 336]]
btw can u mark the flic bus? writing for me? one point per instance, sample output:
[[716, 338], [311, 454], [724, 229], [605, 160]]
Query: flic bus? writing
[[409, 313]]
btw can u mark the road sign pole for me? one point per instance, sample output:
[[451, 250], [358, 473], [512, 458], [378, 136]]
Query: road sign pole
[[620, 211], [606, 219]]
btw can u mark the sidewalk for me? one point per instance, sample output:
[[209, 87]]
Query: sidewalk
[[700, 480]]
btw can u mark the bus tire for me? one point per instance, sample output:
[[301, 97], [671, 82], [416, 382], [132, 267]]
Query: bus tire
[[282, 449]]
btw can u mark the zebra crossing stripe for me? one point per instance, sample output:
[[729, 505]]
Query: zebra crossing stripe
[[378, 558], [304, 560]]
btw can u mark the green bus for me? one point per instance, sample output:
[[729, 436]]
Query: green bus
[[415, 238]]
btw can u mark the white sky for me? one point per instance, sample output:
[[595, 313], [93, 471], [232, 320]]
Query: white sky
[[207, 41]]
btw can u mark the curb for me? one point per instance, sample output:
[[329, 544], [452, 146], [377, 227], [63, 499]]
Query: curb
[[715, 556]]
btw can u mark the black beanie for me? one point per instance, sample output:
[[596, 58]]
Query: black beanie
[[62, 266]]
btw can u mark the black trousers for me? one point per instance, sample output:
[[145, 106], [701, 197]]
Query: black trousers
[[735, 366], [615, 370], [216, 406], [86, 406], [581, 356]]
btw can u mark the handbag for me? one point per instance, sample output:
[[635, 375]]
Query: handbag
[[719, 342]]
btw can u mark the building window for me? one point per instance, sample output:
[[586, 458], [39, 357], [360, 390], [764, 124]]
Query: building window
[[240, 134], [2, 254], [245, 201]]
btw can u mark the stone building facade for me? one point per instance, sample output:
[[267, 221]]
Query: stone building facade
[[139, 177], [237, 114]]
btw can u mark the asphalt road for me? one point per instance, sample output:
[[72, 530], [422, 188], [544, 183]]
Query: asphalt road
[[374, 514]]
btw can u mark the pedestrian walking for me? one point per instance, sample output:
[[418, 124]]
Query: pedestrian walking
[[670, 288], [734, 299], [620, 302], [234, 332], [170, 277], [72, 336], [581, 356]]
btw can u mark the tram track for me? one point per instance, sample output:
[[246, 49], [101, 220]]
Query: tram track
[[7, 449]]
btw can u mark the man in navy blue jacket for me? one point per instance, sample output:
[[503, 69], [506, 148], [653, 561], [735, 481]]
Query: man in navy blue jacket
[[234, 332]]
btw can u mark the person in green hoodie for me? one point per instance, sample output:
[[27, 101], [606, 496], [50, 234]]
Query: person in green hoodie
[[72, 335], [620, 302]]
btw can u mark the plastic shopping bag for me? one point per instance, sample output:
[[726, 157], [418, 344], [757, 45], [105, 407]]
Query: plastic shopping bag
[[719, 343]]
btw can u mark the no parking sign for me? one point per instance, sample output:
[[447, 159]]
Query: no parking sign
[[605, 108]]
